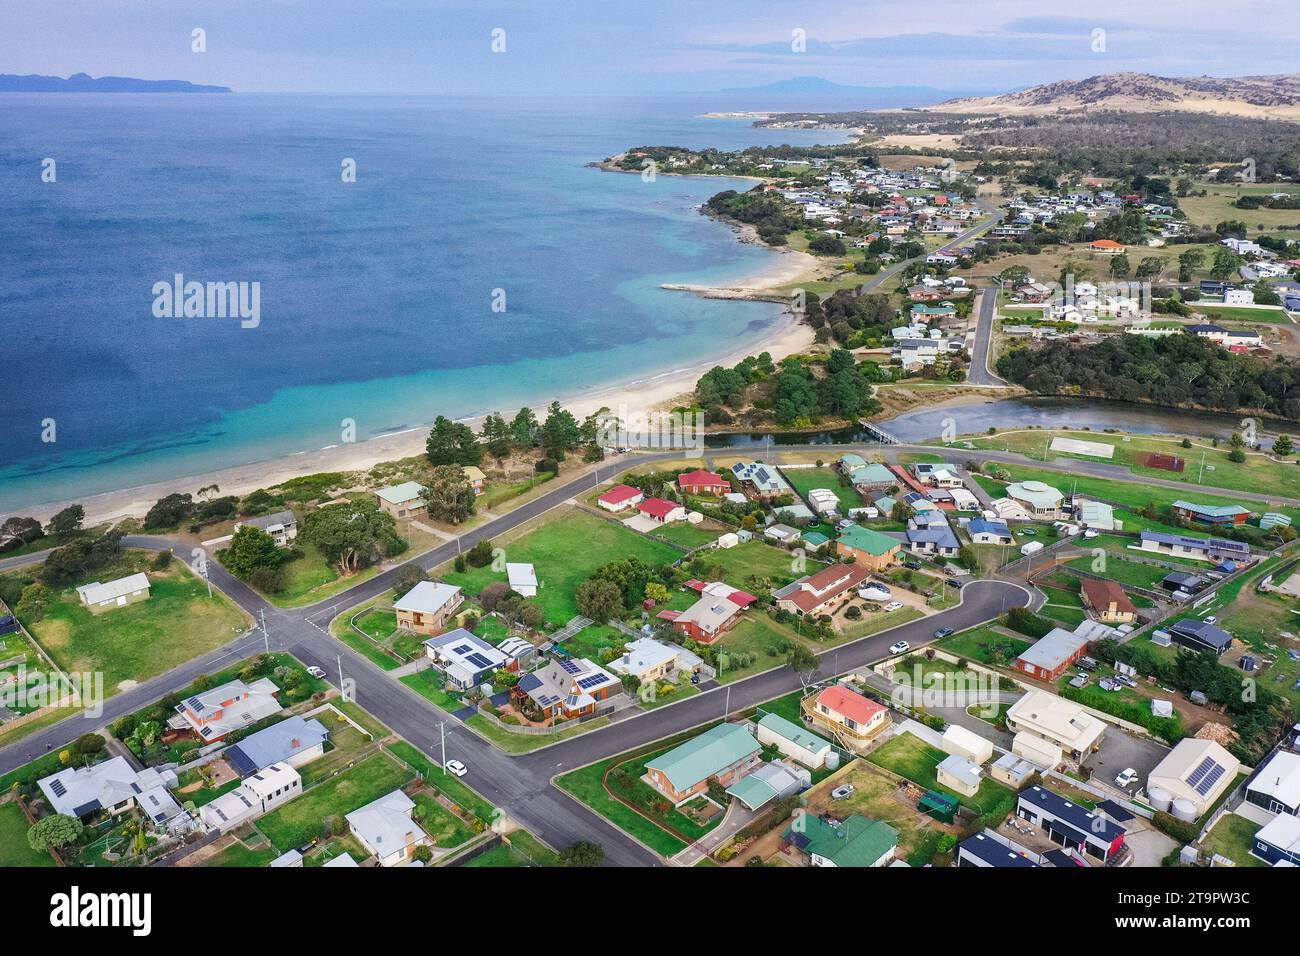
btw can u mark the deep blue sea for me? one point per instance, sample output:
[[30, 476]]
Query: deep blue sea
[[376, 296]]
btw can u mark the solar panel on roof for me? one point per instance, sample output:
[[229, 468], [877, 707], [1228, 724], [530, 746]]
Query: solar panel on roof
[[1205, 776], [478, 660], [588, 682], [58, 788], [571, 666], [462, 649]]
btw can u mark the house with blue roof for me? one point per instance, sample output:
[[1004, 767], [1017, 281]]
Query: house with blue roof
[[984, 531]]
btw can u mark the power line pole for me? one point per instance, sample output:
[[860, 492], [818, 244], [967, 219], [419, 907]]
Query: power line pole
[[726, 712], [266, 638], [442, 734], [339, 659]]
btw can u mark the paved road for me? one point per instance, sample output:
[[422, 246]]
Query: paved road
[[519, 785], [985, 310]]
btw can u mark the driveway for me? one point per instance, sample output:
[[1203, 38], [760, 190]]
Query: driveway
[[1120, 750], [738, 816]]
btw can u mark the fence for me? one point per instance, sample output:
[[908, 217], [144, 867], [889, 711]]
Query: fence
[[621, 702]]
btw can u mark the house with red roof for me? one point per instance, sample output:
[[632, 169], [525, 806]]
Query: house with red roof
[[620, 497], [701, 482], [823, 592], [1107, 247], [851, 718], [719, 589], [661, 510]]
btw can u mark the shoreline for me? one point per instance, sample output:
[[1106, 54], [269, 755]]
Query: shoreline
[[654, 392]]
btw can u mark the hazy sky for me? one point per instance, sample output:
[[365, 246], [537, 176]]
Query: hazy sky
[[613, 46]]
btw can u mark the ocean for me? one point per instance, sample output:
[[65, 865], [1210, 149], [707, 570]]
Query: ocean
[[375, 297]]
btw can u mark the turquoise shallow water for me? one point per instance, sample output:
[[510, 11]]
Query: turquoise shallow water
[[375, 295]]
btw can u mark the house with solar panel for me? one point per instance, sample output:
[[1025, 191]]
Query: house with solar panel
[[760, 481], [219, 711], [566, 688], [465, 658], [114, 787], [296, 741], [256, 796], [858, 841], [1192, 777]]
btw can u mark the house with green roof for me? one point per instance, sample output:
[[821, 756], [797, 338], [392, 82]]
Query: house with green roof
[[858, 841], [944, 310], [1210, 514], [793, 741], [867, 547], [724, 754], [873, 477], [402, 501]]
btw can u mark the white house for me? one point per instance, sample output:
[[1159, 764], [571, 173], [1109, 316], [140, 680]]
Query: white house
[[387, 829], [113, 787], [119, 593], [259, 794]]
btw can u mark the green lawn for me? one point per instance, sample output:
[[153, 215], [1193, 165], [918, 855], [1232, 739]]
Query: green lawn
[[756, 634], [565, 551], [313, 578], [913, 758], [445, 828], [688, 536], [985, 645], [430, 684], [238, 855], [520, 848], [754, 563], [1132, 573], [1233, 837], [14, 848], [805, 480], [586, 786], [303, 819], [178, 622]]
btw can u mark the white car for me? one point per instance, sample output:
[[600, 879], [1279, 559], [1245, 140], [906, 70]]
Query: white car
[[893, 606], [315, 672], [456, 767], [900, 648], [1211, 619], [1091, 533], [1126, 777]]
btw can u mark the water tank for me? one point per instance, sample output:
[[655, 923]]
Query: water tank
[[1184, 809], [833, 760], [1159, 798]]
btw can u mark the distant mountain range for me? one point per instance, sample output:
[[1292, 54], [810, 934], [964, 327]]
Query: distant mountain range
[[816, 84], [84, 83], [1275, 96]]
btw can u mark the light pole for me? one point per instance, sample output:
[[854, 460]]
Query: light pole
[[266, 638], [442, 734]]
